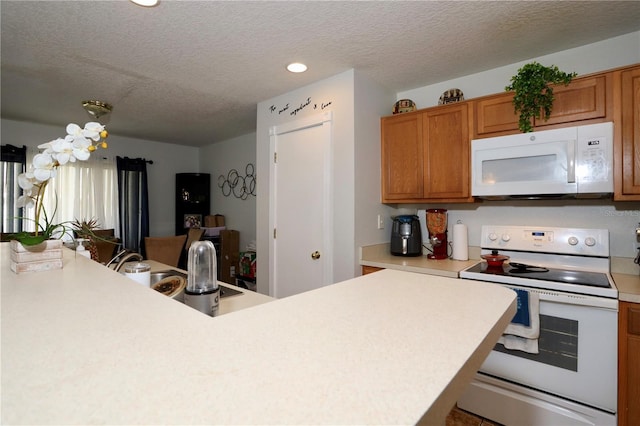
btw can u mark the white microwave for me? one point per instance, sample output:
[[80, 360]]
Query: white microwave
[[572, 162]]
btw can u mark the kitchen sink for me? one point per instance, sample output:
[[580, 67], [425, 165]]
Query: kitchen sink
[[160, 275]]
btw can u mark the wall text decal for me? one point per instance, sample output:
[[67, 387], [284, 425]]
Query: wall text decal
[[303, 105]]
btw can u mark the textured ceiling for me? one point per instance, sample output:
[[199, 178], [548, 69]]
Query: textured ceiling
[[191, 73]]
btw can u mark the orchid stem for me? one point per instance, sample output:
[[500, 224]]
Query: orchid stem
[[39, 204]]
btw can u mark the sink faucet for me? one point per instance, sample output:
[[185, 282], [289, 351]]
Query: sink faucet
[[122, 257]]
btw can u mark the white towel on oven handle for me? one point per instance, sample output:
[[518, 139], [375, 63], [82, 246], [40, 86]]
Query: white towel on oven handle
[[533, 330], [523, 338]]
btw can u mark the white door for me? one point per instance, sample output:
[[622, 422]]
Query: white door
[[301, 210]]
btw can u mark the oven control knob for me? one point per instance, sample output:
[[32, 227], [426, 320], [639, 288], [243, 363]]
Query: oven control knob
[[493, 236], [590, 241], [506, 237], [573, 241]]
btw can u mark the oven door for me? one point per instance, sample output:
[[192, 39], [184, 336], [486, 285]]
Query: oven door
[[577, 356]]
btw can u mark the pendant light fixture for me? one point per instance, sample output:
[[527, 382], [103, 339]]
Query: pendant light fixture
[[96, 109]]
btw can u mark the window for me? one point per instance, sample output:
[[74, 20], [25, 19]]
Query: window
[[12, 163], [83, 190]]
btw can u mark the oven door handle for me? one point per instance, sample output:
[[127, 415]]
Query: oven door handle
[[571, 298]]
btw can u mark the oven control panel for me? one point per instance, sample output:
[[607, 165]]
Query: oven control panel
[[590, 242]]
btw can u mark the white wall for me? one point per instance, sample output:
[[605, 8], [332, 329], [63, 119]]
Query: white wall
[[218, 159], [604, 55], [372, 102], [620, 218], [168, 159]]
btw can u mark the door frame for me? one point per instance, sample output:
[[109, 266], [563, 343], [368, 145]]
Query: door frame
[[325, 120]]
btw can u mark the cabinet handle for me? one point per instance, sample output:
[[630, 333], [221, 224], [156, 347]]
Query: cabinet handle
[[315, 255]]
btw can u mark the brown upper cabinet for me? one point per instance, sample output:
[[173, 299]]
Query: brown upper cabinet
[[626, 148], [425, 155], [587, 100]]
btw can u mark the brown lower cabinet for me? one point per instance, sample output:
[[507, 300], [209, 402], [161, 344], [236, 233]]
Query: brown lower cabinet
[[370, 269], [629, 364]]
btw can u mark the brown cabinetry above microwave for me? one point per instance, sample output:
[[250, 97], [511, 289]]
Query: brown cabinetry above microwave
[[425, 156], [626, 147], [585, 100]]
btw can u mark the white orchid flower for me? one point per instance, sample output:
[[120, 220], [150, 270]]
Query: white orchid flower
[[74, 133], [76, 145], [43, 167], [92, 130], [25, 200], [28, 183], [47, 147], [62, 151], [26, 180], [81, 149]]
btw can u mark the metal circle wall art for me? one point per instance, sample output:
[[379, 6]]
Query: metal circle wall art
[[240, 186]]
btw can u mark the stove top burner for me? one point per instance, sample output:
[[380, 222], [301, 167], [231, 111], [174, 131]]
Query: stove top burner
[[521, 268], [592, 279]]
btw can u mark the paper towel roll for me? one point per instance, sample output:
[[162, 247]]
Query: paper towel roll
[[460, 242]]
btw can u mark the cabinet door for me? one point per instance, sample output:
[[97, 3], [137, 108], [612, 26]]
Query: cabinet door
[[629, 368], [402, 154], [370, 269], [583, 99], [446, 153], [495, 116], [627, 144]]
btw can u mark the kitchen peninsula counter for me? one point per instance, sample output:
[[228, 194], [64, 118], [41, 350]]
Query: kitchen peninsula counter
[[379, 256], [228, 304], [86, 345]]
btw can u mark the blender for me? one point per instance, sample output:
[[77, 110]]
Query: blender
[[437, 227], [202, 292]]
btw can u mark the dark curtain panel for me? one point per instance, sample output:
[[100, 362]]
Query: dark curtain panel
[[13, 161], [133, 196]]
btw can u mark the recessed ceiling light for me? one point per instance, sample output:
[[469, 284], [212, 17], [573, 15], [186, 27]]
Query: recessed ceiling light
[[145, 3], [297, 67]]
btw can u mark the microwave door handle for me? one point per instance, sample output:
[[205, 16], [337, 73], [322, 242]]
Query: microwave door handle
[[571, 161]]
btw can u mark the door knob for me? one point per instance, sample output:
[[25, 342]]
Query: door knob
[[315, 255]]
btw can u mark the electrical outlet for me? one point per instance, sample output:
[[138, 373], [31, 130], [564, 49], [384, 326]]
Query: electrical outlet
[[380, 222]]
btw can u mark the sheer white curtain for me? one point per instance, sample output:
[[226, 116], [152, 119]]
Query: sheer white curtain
[[84, 190]]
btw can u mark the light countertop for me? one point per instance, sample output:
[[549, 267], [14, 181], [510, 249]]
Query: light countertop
[[228, 304], [378, 255], [628, 287], [85, 345]]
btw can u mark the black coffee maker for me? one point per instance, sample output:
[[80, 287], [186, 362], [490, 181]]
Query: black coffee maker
[[406, 236]]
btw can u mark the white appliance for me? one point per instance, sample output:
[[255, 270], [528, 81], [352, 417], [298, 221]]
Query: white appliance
[[572, 380], [572, 162]]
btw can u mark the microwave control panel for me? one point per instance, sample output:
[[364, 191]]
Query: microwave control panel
[[594, 156]]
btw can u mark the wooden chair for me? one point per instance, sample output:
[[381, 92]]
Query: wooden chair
[[165, 250], [194, 234], [107, 244]]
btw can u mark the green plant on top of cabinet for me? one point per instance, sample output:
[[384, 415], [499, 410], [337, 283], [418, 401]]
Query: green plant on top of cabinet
[[425, 156], [585, 100], [533, 92]]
